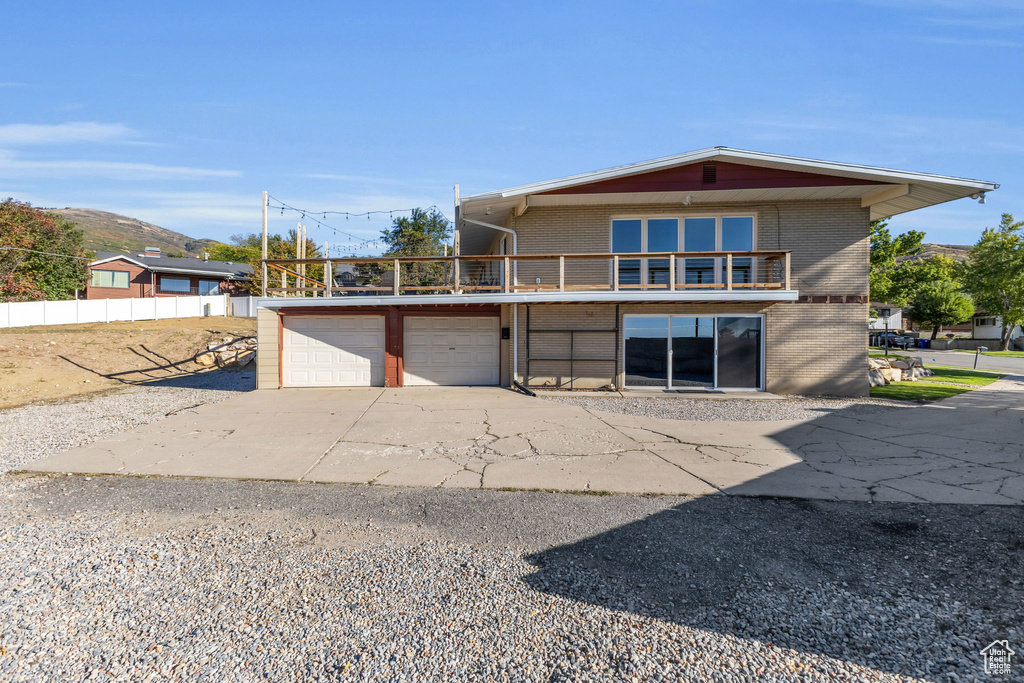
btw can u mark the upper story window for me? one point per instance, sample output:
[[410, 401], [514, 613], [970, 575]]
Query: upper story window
[[110, 278], [683, 234]]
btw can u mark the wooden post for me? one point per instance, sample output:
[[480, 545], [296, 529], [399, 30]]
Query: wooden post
[[615, 273], [263, 285], [728, 271], [284, 283], [328, 272], [785, 266], [395, 287], [672, 274], [456, 243], [508, 275], [561, 273]]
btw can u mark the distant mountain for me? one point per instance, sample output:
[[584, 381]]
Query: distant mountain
[[105, 231], [954, 251]]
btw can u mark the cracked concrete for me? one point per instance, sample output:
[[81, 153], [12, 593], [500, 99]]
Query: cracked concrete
[[967, 449]]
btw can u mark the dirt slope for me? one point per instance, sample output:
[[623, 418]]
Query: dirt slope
[[60, 361]]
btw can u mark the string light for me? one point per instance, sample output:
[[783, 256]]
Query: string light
[[357, 243]]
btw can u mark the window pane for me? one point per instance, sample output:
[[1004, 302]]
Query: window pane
[[742, 269], [693, 352], [173, 284], [699, 271], [662, 234], [739, 353], [626, 237], [738, 233], [646, 353], [699, 234], [120, 279], [629, 271], [98, 277], [209, 287]]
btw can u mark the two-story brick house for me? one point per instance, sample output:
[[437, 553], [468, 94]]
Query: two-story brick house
[[712, 270]]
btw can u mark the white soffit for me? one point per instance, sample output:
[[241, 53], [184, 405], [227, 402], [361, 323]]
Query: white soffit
[[925, 189]]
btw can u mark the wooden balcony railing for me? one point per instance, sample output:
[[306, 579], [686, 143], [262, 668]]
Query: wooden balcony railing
[[501, 273]]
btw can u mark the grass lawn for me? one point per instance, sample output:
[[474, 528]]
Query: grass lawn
[[938, 386], [1003, 354], [917, 391]]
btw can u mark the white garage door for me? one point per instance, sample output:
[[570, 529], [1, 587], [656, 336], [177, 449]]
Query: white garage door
[[457, 350], [333, 351]]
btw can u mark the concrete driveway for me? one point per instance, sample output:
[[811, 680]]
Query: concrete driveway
[[967, 449]]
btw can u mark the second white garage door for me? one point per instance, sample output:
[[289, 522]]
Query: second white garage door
[[450, 350], [333, 351]]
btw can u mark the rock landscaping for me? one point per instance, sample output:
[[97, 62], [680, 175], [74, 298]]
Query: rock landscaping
[[882, 371], [228, 352]]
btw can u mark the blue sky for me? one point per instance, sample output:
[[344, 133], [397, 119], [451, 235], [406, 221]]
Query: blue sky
[[182, 113]]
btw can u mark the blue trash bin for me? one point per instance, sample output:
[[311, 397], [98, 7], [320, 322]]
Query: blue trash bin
[[924, 343]]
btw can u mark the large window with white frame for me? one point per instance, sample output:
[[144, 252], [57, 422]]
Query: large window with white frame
[[117, 279], [699, 233]]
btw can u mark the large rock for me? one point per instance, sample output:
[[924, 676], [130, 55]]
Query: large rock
[[876, 378], [206, 359]]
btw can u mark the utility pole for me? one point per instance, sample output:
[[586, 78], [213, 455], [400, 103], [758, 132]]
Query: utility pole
[[263, 286]]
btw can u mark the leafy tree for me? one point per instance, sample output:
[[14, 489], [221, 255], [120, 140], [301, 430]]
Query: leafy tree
[[422, 233], [30, 275], [887, 282], [995, 274], [248, 249], [938, 304]]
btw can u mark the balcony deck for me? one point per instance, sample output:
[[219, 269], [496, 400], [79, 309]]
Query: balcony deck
[[526, 278]]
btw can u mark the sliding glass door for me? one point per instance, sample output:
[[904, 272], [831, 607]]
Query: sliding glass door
[[686, 352]]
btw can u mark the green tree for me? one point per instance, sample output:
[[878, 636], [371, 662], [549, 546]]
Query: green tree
[[41, 254], [248, 249], [422, 233], [888, 284], [938, 304], [995, 274]]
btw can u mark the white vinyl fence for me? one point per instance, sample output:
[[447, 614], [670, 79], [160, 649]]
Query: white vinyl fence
[[25, 313]]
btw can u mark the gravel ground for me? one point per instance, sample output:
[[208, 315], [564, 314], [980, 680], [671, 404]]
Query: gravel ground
[[117, 578], [745, 410]]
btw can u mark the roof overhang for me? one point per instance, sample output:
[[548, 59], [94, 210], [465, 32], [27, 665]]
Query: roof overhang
[[885, 192], [164, 269], [716, 296]]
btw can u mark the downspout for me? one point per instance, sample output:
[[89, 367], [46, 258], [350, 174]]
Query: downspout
[[515, 283]]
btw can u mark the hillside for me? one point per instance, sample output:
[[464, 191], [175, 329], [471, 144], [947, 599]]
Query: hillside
[[954, 251], [106, 231]]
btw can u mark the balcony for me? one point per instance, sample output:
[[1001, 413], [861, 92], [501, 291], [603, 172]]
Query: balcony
[[667, 275]]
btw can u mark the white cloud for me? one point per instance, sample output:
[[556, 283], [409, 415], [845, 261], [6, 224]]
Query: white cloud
[[12, 167], [969, 42], [20, 134]]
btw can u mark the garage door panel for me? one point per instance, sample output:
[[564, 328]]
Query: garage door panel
[[450, 350], [325, 351]]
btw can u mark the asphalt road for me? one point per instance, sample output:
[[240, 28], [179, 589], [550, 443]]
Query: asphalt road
[[966, 360]]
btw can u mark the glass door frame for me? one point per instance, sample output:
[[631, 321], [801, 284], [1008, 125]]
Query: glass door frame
[[668, 343]]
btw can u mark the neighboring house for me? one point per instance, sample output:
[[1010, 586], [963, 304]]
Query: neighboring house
[[984, 326], [887, 317], [124, 276], [620, 278]]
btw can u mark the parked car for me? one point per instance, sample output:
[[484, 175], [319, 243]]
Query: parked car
[[893, 340]]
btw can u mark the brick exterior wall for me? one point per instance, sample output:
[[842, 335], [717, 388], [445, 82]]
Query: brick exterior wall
[[816, 346], [139, 283]]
